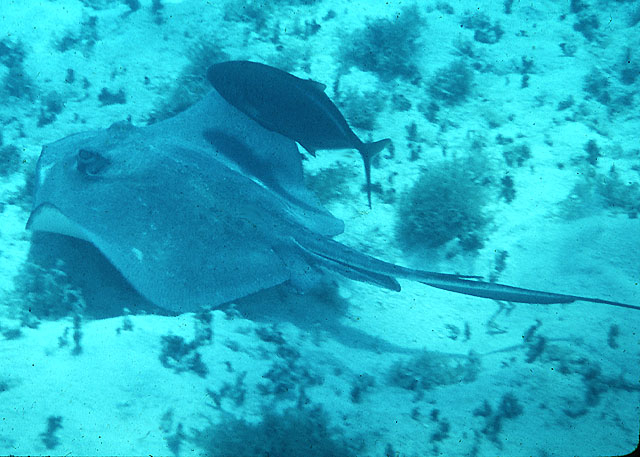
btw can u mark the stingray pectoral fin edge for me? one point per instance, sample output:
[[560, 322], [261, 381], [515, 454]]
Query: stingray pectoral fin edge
[[48, 218]]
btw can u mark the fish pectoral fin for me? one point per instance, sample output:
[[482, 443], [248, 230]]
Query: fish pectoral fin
[[251, 111]]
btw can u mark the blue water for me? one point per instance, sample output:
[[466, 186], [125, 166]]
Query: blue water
[[513, 157]]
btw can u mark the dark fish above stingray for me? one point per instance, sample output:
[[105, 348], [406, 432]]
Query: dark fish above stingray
[[208, 207], [296, 108]]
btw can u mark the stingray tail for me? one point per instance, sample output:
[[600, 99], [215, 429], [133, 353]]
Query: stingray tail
[[341, 258], [368, 151]]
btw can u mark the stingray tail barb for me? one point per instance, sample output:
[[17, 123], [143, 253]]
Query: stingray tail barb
[[503, 292], [368, 151], [340, 257]]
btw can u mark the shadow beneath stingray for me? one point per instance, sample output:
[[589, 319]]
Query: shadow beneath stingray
[[107, 293], [321, 311]]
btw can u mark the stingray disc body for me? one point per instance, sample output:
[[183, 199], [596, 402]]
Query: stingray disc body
[[195, 210]]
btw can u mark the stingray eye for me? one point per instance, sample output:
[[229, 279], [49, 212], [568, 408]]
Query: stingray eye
[[90, 163]]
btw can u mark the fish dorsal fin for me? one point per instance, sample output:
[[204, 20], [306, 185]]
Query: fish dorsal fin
[[309, 149], [316, 85]]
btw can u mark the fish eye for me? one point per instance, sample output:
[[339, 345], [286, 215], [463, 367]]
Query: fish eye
[[89, 162]]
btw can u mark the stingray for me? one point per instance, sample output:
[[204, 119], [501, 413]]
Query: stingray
[[208, 207], [296, 108]]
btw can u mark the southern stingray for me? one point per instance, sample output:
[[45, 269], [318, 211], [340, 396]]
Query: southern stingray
[[208, 207]]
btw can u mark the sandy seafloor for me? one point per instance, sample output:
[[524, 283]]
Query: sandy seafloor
[[392, 372]]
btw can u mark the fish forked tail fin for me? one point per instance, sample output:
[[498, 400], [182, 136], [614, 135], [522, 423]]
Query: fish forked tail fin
[[368, 152]]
